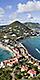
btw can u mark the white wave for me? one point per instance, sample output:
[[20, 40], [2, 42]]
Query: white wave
[[37, 50]]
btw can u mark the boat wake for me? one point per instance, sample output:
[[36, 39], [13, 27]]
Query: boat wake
[[38, 50]]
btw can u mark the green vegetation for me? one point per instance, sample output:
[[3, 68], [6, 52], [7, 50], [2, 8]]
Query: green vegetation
[[20, 30], [32, 25], [16, 28], [5, 74]]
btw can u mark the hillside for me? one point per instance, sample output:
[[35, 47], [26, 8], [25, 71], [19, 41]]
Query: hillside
[[17, 29], [32, 25], [18, 25], [14, 29]]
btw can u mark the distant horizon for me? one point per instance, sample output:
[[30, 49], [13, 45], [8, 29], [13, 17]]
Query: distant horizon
[[19, 10], [18, 21]]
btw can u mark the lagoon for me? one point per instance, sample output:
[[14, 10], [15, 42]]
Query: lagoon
[[5, 54]]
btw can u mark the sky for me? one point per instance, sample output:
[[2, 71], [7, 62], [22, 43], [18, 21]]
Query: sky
[[19, 10]]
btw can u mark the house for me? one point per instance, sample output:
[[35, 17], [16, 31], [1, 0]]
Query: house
[[1, 65], [15, 50], [30, 62], [6, 61], [6, 40], [13, 35], [38, 67], [32, 72], [5, 36], [24, 68], [18, 55], [15, 60], [9, 64]]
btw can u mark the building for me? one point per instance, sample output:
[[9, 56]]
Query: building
[[32, 73]]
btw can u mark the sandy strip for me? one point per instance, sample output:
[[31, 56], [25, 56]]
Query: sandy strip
[[5, 47]]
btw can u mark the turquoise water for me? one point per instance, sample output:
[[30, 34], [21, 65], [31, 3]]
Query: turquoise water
[[33, 46], [4, 54]]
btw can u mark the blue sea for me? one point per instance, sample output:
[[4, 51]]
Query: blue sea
[[33, 46], [5, 54]]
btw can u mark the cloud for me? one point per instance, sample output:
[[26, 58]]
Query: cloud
[[34, 0], [34, 19], [4, 18], [8, 7], [2, 11], [29, 15], [9, 18], [12, 16], [29, 6]]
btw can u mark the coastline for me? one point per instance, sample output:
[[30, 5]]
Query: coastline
[[5, 47], [29, 54]]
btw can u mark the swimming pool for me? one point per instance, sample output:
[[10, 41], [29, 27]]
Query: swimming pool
[[33, 46]]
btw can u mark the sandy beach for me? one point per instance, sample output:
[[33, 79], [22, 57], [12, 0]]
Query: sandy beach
[[5, 47]]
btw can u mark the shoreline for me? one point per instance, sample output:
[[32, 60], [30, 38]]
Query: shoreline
[[5, 47], [29, 54]]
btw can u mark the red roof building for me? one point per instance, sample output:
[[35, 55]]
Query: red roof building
[[32, 72]]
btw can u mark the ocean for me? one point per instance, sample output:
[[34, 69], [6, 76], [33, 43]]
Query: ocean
[[33, 46]]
